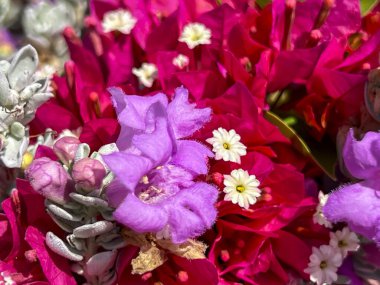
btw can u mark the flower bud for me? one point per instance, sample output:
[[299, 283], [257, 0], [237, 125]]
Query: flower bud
[[88, 173], [49, 178], [65, 148]]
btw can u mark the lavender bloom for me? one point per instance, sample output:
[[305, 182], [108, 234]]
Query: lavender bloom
[[154, 189], [49, 178], [358, 204]]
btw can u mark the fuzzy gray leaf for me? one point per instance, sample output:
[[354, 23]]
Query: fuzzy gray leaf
[[100, 263], [89, 201], [62, 213], [59, 246], [22, 67], [93, 230]]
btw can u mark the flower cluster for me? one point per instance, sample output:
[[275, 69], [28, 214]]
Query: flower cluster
[[189, 142]]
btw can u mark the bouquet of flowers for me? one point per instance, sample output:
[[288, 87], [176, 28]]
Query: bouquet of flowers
[[203, 142]]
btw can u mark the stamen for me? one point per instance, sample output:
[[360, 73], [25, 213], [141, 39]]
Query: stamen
[[323, 13], [290, 8], [94, 97]]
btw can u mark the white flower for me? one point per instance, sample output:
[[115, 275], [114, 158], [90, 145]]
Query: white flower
[[146, 74], [181, 61], [227, 145], [6, 279], [318, 217], [241, 188], [195, 34], [119, 20], [344, 240], [324, 264]]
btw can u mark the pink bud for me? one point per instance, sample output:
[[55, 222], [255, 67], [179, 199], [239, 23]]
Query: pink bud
[[88, 173], [49, 178], [65, 148]]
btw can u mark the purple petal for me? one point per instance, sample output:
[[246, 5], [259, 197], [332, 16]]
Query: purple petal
[[139, 216], [192, 156], [184, 117], [359, 206], [158, 145], [192, 212], [362, 158], [132, 109], [128, 168]]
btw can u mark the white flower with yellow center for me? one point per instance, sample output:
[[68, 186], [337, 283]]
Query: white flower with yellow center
[[324, 264], [241, 188], [118, 20], [195, 34], [345, 241], [181, 61], [318, 217], [227, 145], [146, 74]]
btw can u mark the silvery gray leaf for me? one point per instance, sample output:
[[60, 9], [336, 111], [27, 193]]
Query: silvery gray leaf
[[77, 268], [114, 244], [60, 247], [72, 206], [76, 243], [5, 96], [22, 67], [93, 230], [62, 213], [107, 215], [83, 151], [17, 130], [29, 91], [100, 263], [11, 155], [4, 66], [64, 225], [88, 200]]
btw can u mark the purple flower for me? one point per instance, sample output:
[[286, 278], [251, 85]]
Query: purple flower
[[358, 204], [49, 178], [154, 189]]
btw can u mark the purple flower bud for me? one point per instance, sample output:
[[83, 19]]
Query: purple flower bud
[[49, 178], [65, 148], [88, 173]]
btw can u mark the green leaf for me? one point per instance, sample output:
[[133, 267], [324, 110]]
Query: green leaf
[[262, 3], [367, 5], [320, 152]]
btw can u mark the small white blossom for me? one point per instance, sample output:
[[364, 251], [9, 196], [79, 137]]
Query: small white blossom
[[344, 240], [324, 264], [241, 188], [119, 20], [227, 145], [195, 34], [181, 61], [318, 217], [6, 279], [146, 74]]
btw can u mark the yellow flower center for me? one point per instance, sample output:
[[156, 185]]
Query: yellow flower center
[[226, 146], [323, 264], [342, 243], [240, 188]]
